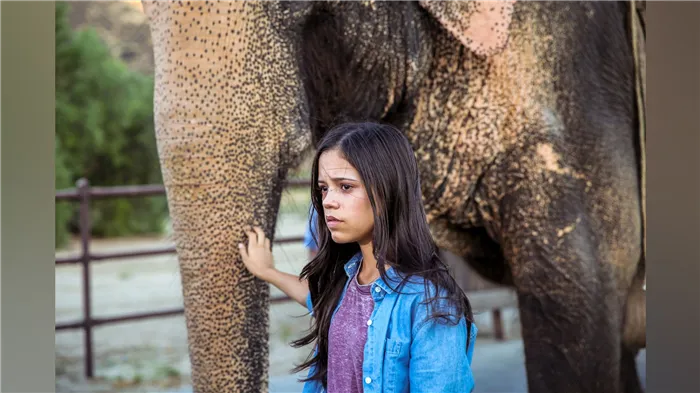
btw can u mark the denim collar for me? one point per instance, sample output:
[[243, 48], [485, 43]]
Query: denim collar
[[354, 263]]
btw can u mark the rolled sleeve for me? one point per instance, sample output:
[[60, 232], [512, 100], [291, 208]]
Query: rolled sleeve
[[310, 232], [309, 305], [472, 341]]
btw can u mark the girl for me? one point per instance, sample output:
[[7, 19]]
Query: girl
[[388, 316]]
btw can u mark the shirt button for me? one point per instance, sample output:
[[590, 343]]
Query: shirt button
[[377, 289], [368, 380], [369, 322]]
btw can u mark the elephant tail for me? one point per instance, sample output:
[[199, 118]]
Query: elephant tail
[[638, 33], [634, 334], [634, 330]]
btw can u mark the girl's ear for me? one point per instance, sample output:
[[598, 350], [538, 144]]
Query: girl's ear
[[481, 26]]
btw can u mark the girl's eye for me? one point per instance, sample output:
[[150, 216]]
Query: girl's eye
[[344, 187]]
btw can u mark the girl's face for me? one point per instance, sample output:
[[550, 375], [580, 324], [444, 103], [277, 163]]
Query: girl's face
[[346, 206]]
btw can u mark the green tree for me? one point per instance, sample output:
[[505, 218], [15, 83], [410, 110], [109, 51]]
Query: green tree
[[104, 132]]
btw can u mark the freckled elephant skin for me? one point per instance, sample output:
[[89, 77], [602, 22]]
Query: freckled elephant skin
[[227, 125], [526, 141]]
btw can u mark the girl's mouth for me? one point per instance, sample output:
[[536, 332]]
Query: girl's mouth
[[332, 221]]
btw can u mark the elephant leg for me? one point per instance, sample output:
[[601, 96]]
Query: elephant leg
[[228, 128], [573, 243], [570, 326]]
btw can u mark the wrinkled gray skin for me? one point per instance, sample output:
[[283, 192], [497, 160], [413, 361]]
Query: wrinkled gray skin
[[526, 138]]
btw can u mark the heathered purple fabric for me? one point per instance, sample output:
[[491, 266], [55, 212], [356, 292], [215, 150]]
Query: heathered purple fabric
[[347, 337]]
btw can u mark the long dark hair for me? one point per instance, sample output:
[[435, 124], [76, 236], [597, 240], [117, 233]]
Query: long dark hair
[[401, 238]]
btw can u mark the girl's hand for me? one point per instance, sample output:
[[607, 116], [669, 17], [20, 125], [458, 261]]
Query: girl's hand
[[258, 256]]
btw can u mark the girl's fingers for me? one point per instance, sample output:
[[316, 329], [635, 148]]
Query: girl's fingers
[[256, 237], [244, 252], [251, 238], [261, 236]]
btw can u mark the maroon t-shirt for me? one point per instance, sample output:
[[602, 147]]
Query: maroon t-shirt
[[347, 337]]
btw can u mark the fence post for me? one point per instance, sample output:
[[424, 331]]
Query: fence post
[[498, 324], [85, 230]]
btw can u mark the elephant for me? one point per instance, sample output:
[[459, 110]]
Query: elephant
[[526, 119]]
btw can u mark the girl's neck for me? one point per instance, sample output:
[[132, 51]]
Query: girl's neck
[[368, 270]]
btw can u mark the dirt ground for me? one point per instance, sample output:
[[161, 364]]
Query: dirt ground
[[151, 355]]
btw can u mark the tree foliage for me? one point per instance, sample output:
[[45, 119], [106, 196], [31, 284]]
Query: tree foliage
[[104, 133]]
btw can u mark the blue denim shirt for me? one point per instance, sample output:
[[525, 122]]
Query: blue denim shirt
[[310, 231], [403, 352]]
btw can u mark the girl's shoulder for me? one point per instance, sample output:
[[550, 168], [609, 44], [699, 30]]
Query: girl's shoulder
[[423, 297], [417, 287]]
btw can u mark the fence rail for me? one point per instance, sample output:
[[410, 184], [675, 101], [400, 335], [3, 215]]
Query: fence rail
[[83, 194]]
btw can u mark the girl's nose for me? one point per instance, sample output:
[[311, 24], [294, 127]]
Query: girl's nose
[[330, 203]]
